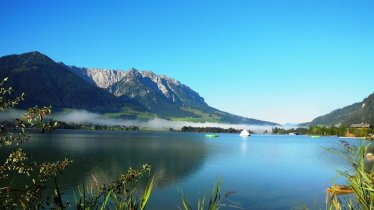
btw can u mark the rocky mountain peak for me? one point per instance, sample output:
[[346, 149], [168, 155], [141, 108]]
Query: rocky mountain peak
[[34, 57], [149, 74], [133, 72], [171, 80], [134, 83], [132, 69]]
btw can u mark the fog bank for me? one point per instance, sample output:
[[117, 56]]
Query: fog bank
[[11, 115], [85, 117]]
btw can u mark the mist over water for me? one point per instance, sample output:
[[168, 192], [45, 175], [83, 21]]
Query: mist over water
[[83, 116], [86, 117], [11, 115]]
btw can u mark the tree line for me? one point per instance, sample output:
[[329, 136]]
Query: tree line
[[209, 129], [327, 131], [64, 125]]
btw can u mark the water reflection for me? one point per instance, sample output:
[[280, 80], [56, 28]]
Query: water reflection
[[105, 155], [369, 159], [286, 170], [244, 146]]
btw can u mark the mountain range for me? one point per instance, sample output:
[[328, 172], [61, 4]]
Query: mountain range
[[131, 94], [361, 112]]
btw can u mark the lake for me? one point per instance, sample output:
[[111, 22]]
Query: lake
[[263, 171]]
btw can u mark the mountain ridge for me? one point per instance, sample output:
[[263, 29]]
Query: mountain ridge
[[165, 85], [108, 90], [360, 112], [46, 82]]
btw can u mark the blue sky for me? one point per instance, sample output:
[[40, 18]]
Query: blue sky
[[280, 60]]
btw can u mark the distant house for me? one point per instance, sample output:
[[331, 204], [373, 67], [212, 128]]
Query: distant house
[[362, 125], [348, 134]]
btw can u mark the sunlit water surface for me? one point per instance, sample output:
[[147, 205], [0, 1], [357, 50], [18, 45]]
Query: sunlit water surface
[[263, 171]]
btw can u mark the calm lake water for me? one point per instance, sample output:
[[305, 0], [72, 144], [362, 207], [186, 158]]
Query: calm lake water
[[264, 171]]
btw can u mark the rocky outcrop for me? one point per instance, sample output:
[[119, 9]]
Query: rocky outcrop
[[134, 83]]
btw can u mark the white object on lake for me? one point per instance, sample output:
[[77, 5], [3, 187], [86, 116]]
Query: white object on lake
[[244, 133]]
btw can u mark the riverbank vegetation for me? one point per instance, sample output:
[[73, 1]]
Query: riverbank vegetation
[[209, 129], [342, 131], [360, 178], [63, 125], [76, 126], [358, 191], [298, 131]]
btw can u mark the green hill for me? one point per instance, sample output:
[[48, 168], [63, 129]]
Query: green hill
[[362, 112]]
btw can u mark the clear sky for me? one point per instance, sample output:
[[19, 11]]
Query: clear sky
[[279, 60]]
